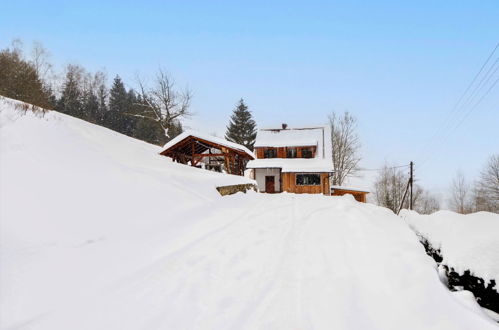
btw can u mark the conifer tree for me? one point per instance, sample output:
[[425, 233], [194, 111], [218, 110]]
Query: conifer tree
[[129, 118], [71, 98], [118, 106], [242, 127], [146, 129], [90, 107], [174, 129], [102, 101]]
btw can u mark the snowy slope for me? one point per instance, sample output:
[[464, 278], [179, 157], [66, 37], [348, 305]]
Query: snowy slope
[[466, 241], [99, 232]]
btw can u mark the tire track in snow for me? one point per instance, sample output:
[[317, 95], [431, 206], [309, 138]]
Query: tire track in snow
[[261, 299], [176, 267], [199, 238], [287, 282]]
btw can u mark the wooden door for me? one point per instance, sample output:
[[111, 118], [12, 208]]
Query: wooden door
[[270, 184]]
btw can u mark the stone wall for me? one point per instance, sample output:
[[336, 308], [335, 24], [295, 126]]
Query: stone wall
[[229, 190]]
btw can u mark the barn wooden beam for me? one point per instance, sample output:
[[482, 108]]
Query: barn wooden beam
[[209, 155], [195, 161], [193, 147]]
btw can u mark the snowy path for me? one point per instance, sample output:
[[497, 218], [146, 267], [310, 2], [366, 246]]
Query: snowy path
[[289, 262]]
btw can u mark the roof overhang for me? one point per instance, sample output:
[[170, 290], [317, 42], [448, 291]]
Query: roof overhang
[[350, 189], [295, 165], [203, 143]]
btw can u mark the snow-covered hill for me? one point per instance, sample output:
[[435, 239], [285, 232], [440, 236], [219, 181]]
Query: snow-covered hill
[[100, 232]]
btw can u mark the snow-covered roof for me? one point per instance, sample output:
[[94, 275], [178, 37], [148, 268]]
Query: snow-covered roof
[[297, 137], [319, 136], [349, 188], [361, 181], [209, 138], [293, 164]]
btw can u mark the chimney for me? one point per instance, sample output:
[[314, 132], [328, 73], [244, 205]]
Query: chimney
[[284, 126]]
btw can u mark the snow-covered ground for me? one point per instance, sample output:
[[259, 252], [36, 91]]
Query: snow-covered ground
[[467, 242], [100, 232]]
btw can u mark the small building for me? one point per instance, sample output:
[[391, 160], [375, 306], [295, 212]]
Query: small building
[[297, 160], [208, 152], [358, 194]]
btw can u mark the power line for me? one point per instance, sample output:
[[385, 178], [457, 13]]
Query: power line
[[478, 73], [467, 114], [485, 79], [383, 168], [476, 104], [457, 106], [454, 119], [376, 169]]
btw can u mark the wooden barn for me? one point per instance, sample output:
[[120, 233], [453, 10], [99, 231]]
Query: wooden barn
[[296, 160], [208, 152]]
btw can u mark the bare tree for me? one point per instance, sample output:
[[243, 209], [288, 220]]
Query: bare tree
[[40, 61], [427, 203], [346, 146], [17, 46], [100, 88], [460, 194], [389, 187], [389, 190], [163, 103], [490, 177], [486, 191]]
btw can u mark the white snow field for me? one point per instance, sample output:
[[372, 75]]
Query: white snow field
[[100, 232]]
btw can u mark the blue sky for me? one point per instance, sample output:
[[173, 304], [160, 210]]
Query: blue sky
[[398, 66]]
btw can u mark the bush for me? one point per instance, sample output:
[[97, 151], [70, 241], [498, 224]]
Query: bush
[[19, 80]]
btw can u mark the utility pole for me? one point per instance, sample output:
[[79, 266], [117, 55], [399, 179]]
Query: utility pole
[[411, 181], [408, 187]]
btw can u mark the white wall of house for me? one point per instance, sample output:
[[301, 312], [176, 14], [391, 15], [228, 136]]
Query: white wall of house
[[261, 173]]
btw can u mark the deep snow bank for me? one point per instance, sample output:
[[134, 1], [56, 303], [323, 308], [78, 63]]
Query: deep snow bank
[[99, 232], [466, 248], [467, 242]]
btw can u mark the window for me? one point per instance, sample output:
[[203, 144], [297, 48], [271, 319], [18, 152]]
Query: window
[[308, 180], [306, 153], [291, 153], [270, 153]]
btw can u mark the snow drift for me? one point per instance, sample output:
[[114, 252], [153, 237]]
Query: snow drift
[[467, 242], [100, 232], [466, 248]]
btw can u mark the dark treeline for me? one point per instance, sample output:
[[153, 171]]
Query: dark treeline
[[152, 114], [86, 96]]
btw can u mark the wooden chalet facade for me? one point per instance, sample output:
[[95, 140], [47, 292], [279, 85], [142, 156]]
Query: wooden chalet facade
[[208, 152], [296, 160]]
